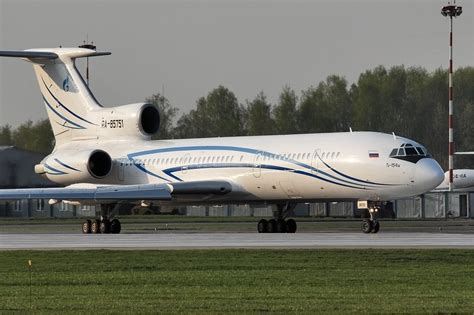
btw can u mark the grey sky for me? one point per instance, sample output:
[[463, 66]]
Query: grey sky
[[191, 47]]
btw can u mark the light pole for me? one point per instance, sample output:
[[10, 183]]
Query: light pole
[[451, 10], [88, 46]]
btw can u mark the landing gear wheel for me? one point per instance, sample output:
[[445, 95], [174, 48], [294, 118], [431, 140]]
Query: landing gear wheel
[[376, 226], [291, 226], [105, 227], [271, 227], [86, 226], [367, 226], [95, 227], [115, 226], [262, 226], [280, 226]]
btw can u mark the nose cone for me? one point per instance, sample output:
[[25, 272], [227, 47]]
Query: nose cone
[[428, 175]]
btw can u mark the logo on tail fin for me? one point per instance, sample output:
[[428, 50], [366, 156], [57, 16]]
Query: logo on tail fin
[[66, 84]]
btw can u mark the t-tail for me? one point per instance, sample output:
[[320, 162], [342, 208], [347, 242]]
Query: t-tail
[[73, 111]]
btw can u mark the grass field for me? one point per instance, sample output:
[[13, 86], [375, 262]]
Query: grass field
[[235, 281]]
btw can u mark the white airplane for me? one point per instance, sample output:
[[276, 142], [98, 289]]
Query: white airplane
[[463, 180], [104, 155]]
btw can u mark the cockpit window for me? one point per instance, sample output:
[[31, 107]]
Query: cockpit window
[[410, 153], [421, 151]]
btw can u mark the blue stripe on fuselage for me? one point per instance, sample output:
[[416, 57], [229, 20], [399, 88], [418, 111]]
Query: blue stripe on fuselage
[[359, 182]]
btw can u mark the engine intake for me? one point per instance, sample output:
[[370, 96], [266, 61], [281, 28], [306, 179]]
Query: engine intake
[[149, 119], [99, 164]]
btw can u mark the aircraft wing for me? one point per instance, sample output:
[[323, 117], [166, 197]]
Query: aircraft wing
[[121, 192]]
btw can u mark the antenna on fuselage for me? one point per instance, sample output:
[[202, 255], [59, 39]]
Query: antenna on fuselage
[[350, 129], [394, 136]]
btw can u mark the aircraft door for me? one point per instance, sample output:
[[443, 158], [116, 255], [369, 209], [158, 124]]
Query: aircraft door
[[257, 166], [315, 160], [185, 162]]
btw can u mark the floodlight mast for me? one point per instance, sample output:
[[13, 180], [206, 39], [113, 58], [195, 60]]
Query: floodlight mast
[[451, 10]]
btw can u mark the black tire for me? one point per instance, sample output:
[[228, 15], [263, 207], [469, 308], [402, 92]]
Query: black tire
[[86, 226], [291, 226], [115, 226], [95, 227], [271, 226], [262, 226], [105, 227], [376, 226], [280, 226], [367, 226]]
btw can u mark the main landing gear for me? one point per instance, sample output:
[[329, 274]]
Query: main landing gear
[[103, 225], [371, 224], [278, 224]]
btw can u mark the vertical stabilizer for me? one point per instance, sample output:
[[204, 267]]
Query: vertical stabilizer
[[67, 98]]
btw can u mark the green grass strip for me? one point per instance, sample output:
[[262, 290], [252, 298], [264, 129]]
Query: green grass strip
[[239, 281]]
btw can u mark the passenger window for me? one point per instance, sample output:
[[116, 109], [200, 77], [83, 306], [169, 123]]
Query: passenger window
[[332, 155]]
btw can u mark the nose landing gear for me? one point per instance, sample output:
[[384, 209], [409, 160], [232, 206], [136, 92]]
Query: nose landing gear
[[371, 224]]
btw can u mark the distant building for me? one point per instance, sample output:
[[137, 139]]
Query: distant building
[[17, 169]]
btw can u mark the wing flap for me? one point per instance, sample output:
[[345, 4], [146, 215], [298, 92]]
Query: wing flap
[[215, 187]]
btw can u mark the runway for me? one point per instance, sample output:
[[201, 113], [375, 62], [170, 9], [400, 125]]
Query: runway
[[233, 240]]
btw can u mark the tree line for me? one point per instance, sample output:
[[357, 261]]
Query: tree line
[[411, 102]]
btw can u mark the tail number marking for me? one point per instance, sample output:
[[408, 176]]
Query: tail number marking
[[112, 123]]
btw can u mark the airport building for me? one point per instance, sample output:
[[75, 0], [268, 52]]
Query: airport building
[[428, 206], [437, 205]]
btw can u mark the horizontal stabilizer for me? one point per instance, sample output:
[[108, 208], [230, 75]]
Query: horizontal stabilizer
[[53, 53], [100, 53], [28, 54]]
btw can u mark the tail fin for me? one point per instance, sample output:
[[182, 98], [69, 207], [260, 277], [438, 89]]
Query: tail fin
[[67, 98]]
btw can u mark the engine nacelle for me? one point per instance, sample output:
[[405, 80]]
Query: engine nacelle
[[67, 166], [141, 119]]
